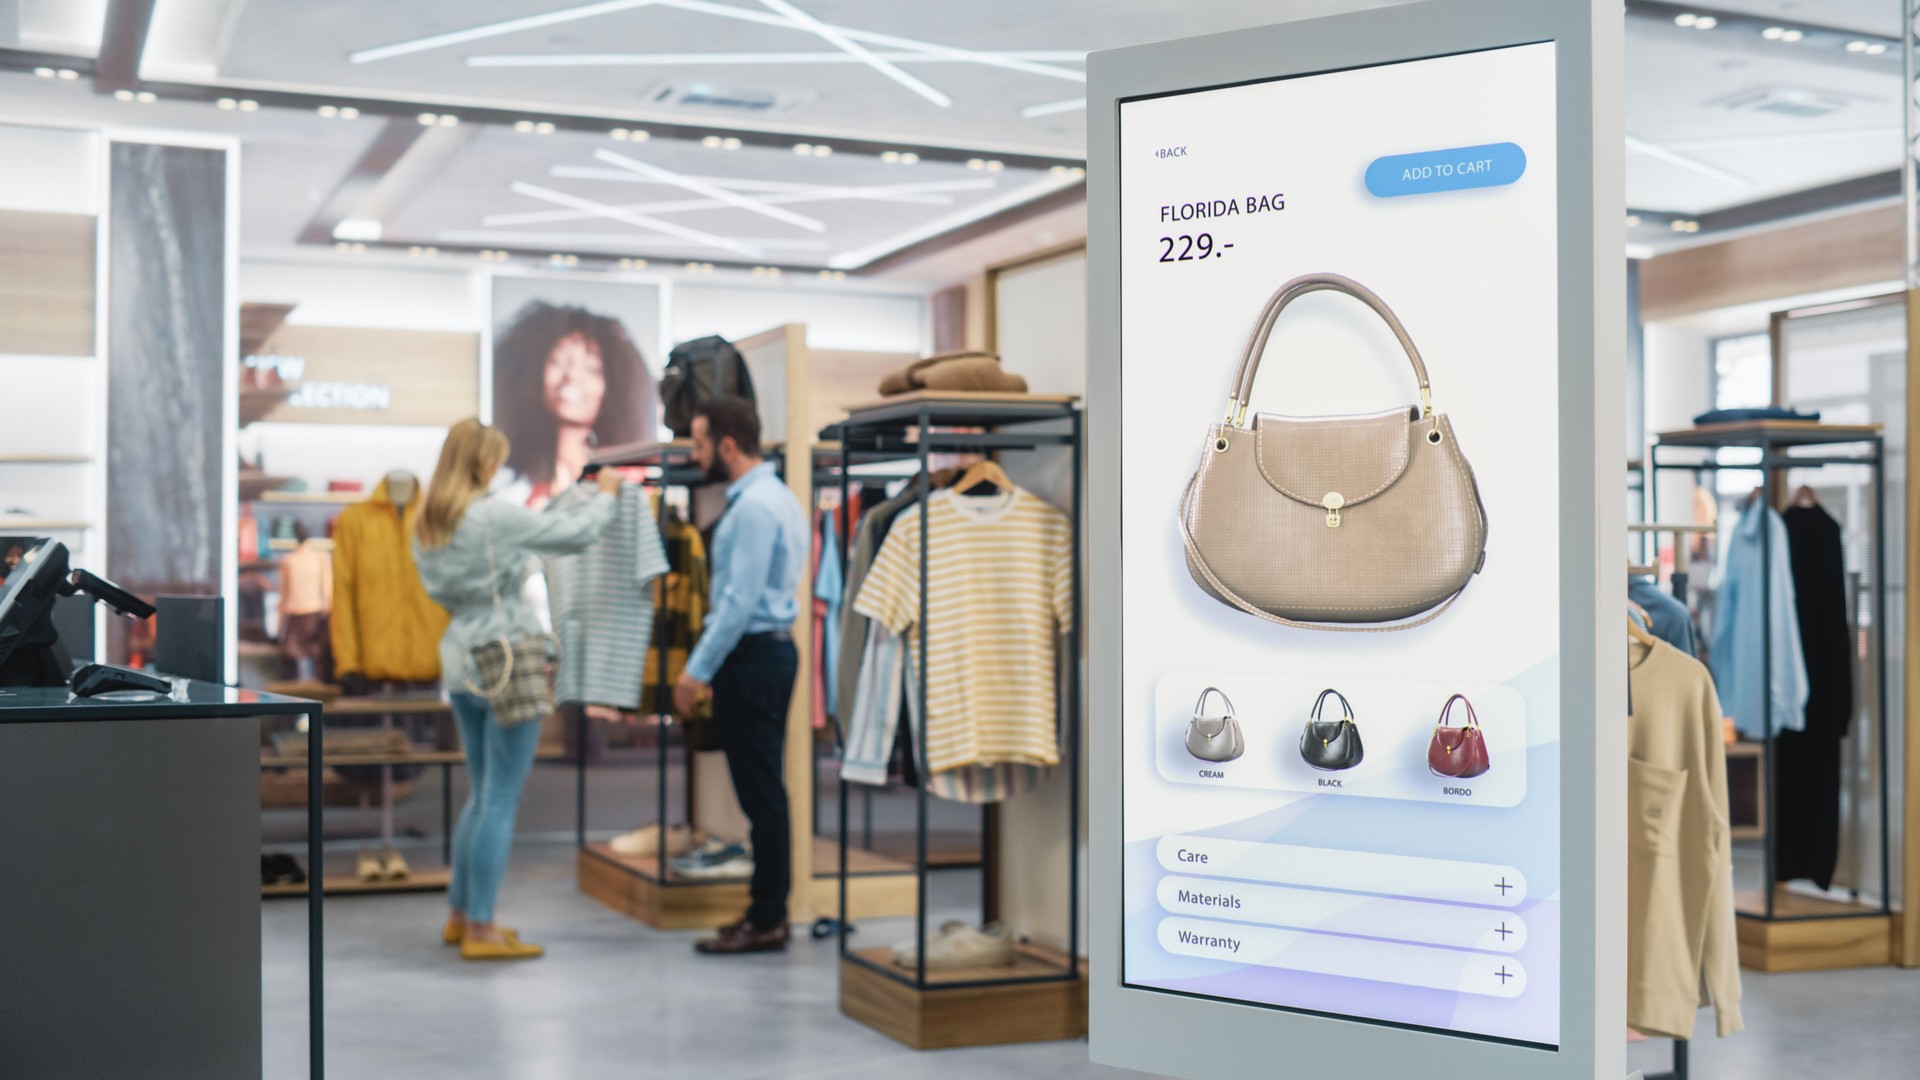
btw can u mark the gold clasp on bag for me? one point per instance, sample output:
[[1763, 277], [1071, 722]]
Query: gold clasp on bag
[[1333, 501], [1426, 403]]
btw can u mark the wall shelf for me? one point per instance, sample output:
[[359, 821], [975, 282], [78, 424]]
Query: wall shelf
[[27, 524], [314, 498], [45, 459]]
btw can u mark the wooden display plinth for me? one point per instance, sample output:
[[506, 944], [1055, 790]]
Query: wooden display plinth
[[632, 886], [945, 1015], [877, 886], [347, 885], [1864, 938]]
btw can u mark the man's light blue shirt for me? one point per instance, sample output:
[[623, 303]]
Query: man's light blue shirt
[[759, 553]]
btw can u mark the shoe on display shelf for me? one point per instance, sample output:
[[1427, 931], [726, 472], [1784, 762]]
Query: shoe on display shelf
[[715, 860], [367, 866], [958, 944], [392, 866], [644, 842]]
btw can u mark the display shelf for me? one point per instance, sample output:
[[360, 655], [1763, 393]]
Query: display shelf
[[435, 880], [1028, 1001], [258, 650], [19, 524], [632, 886], [45, 459], [312, 498], [1772, 434]]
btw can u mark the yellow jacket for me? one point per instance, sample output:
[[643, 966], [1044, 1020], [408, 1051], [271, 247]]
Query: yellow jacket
[[385, 627], [1681, 951]]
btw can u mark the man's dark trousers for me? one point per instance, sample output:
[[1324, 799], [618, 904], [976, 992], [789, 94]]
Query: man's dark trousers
[[751, 694]]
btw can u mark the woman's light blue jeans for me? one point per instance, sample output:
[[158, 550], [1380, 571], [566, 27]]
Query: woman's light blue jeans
[[498, 761]]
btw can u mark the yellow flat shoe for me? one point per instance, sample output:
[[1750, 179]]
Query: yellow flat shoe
[[453, 933], [509, 948]]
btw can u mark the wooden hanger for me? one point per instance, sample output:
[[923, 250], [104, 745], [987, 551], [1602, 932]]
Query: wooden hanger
[[1639, 634], [984, 471]]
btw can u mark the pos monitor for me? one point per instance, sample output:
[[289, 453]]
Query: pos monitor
[[30, 649], [1355, 401]]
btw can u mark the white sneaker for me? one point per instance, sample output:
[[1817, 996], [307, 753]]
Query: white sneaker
[[959, 945], [644, 842]]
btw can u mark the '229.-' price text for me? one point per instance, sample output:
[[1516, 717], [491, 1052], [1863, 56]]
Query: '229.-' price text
[[1184, 248]]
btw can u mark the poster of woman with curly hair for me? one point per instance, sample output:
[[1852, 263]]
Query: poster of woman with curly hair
[[571, 373]]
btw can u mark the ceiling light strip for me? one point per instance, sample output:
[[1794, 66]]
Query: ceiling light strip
[[854, 260], [1691, 164], [898, 56], [495, 29], [841, 41], [1052, 107], [561, 198], [701, 187], [530, 238]]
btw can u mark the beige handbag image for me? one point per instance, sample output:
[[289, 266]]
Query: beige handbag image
[[1214, 738], [1333, 523]]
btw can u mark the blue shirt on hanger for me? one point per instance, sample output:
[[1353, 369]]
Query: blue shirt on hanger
[[1745, 638]]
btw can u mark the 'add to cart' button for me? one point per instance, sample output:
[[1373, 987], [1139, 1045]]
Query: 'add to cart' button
[[1492, 165]]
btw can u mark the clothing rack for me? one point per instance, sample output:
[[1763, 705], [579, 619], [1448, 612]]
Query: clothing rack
[[916, 427], [1819, 445], [1678, 585], [670, 465]]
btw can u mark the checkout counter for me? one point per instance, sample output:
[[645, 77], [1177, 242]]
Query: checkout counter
[[129, 875]]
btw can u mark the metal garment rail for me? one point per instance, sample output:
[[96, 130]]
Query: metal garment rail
[[1771, 446], [673, 466], [873, 435], [316, 897]]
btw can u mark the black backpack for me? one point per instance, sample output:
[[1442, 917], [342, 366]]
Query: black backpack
[[698, 371]]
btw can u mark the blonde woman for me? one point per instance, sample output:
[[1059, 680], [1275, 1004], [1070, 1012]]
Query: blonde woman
[[456, 528]]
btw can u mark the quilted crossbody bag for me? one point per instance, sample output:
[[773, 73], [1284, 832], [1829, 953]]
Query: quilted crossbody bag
[[512, 674]]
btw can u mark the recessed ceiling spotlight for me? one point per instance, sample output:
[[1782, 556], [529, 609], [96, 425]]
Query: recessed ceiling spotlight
[[523, 126], [711, 142], [1057, 170], [342, 246], [359, 248], [227, 103], [1793, 35], [730, 143], [908, 157], [822, 151], [348, 112], [416, 251], [619, 133], [328, 111], [544, 127], [1705, 22], [1076, 172], [146, 97], [432, 251], [1773, 33], [1684, 225], [1876, 48], [803, 149], [68, 74], [448, 120], [633, 264], [994, 165], [833, 275], [428, 119], [891, 157], [1856, 46], [123, 95], [1633, 221], [1686, 18], [44, 72], [249, 105], [976, 163]]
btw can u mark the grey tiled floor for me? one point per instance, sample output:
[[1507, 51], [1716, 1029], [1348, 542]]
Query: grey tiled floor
[[615, 999]]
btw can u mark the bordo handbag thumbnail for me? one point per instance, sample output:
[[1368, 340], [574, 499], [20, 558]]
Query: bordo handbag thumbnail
[[1459, 752], [1332, 745], [1333, 523], [1214, 738]]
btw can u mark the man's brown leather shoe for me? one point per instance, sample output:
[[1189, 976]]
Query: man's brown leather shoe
[[743, 938]]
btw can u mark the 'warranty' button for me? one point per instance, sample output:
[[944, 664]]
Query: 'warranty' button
[[1492, 165]]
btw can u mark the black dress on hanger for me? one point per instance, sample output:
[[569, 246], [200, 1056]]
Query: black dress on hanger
[[1807, 842]]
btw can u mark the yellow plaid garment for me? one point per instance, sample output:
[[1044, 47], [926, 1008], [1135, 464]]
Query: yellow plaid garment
[[680, 611]]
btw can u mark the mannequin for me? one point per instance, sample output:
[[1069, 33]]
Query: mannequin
[[402, 488]]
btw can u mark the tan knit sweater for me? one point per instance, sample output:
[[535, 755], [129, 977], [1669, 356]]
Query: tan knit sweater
[[1681, 954]]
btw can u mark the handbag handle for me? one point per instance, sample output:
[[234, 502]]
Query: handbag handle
[[1287, 294], [1322, 700], [1473, 718], [1203, 701], [493, 578]]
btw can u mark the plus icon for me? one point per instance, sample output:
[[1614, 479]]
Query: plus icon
[[1504, 974], [1503, 931], [1503, 886]]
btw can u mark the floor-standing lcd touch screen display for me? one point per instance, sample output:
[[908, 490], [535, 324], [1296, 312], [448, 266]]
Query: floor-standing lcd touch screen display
[[1340, 544]]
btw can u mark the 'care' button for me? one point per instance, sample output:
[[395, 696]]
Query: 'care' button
[[1492, 165]]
